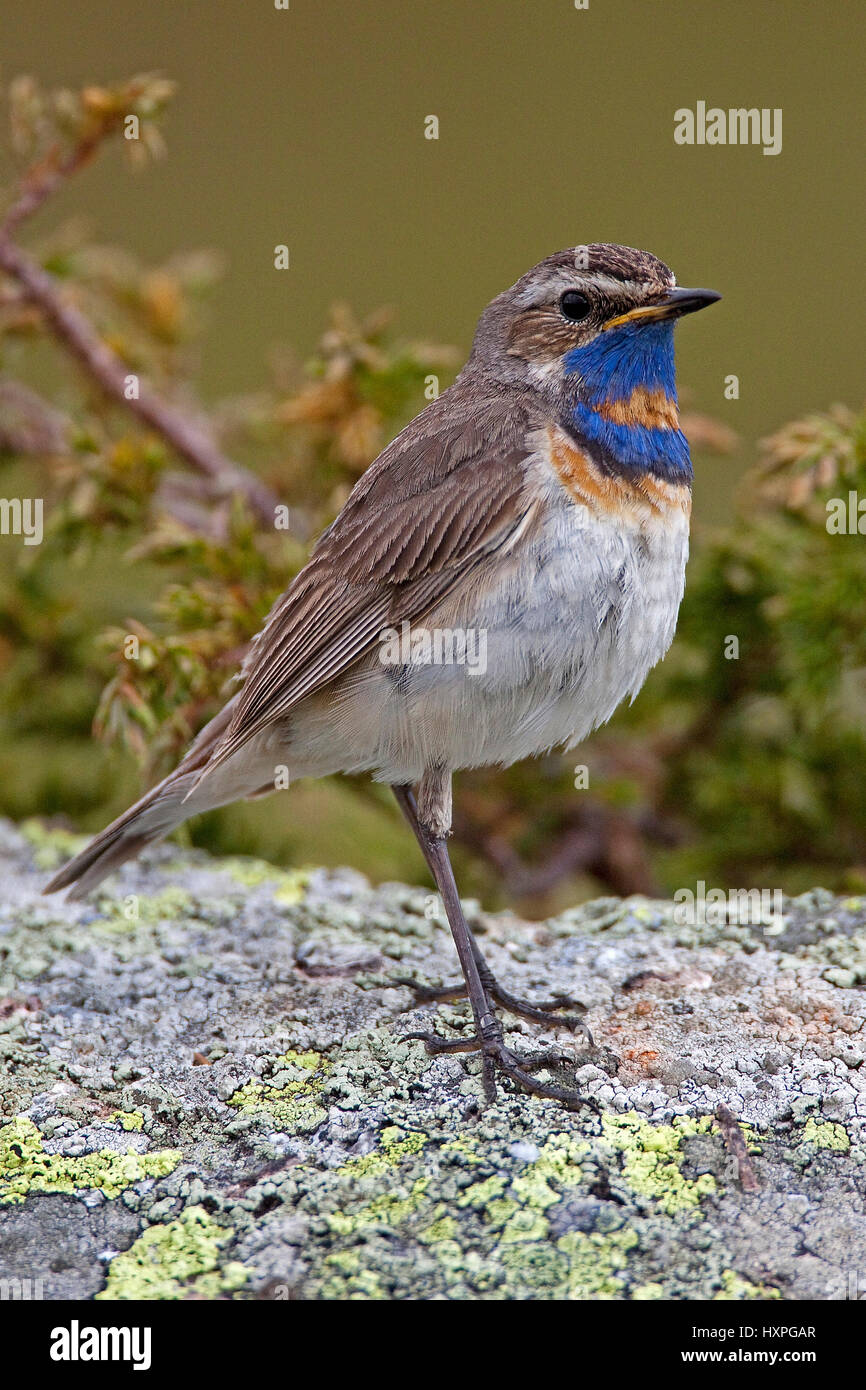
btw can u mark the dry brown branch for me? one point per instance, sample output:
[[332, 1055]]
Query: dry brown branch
[[75, 332], [43, 178], [735, 1143], [189, 440]]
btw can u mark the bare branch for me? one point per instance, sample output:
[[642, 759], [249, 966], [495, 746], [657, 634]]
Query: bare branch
[[42, 179], [77, 334], [102, 113]]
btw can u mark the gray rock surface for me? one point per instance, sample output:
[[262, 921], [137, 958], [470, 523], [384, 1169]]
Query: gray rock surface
[[205, 1094]]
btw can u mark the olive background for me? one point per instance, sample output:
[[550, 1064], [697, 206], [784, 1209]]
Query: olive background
[[306, 127], [556, 127]]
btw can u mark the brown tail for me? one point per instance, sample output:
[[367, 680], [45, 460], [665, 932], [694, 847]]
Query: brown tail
[[157, 813], [143, 824]]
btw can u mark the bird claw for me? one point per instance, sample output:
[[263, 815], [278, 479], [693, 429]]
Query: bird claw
[[430, 994], [519, 1068], [436, 1045], [542, 1012]]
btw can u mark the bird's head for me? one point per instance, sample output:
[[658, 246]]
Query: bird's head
[[591, 329]]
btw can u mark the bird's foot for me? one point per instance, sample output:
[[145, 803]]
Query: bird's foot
[[431, 994], [544, 1011], [497, 1057]]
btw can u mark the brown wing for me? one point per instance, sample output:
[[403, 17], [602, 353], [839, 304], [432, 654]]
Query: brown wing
[[445, 494]]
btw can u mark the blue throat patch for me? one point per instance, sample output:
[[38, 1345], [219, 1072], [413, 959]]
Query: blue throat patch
[[608, 370]]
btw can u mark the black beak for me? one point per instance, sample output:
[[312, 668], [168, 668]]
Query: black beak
[[678, 302], [672, 305]]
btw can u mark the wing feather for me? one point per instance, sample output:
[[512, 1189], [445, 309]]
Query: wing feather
[[435, 504]]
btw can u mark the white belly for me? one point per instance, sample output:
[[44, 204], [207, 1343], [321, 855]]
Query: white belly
[[572, 625]]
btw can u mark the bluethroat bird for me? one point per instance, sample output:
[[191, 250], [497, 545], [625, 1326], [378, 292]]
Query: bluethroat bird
[[542, 501]]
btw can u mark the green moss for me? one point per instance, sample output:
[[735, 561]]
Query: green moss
[[481, 1194], [293, 1106], [354, 1281], [146, 910], [391, 1209], [515, 1206], [735, 1287], [842, 958], [444, 1227], [576, 1266], [395, 1144], [595, 1262], [534, 1268], [51, 848], [289, 886], [826, 1136], [500, 1247], [25, 1167], [129, 1120], [175, 1260], [464, 1147], [559, 1161], [499, 1212], [651, 1159], [525, 1224]]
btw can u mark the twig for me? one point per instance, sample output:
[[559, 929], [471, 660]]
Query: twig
[[735, 1143], [76, 333], [41, 181], [74, 330]]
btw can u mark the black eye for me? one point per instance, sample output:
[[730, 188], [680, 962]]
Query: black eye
[[574, 305]]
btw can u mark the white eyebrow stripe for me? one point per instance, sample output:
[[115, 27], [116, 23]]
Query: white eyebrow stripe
[[608, 284], [562, 279]]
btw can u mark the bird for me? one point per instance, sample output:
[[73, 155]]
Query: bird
[[537, 511]]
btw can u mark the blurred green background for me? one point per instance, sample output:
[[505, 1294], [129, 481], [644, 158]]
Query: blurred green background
[[306, 127], [556, 127]]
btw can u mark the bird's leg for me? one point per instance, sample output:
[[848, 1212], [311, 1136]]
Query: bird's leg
[[430, 834], [430, 822], [542, 1011]]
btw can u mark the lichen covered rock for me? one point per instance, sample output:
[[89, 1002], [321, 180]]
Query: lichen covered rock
[[206, 1092]]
